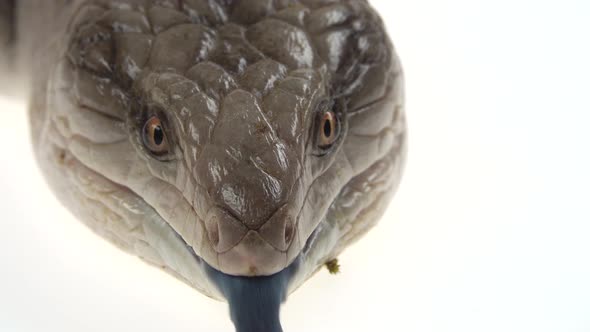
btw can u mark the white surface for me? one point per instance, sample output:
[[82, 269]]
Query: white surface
[[490, 231]]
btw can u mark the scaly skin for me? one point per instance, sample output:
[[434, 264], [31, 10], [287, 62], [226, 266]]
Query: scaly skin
[[245, 189]]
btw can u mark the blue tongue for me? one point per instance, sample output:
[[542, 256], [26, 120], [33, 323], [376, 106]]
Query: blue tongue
[[254, 302]]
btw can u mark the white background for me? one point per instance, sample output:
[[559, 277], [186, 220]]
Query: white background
[[490, 230]]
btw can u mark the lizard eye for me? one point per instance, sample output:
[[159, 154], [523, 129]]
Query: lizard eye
[[329, 129], [154, 137]]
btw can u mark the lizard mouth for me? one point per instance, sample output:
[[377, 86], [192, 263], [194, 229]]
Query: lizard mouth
[[255, 301], [293, 267]]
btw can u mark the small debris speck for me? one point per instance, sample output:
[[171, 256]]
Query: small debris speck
[[333, 266]]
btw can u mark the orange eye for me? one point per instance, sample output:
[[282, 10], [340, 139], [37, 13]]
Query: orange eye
[[328, 130], [154, 136]]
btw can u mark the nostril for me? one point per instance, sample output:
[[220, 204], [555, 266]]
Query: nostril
[[280, 229], [289, 230], [223, 230], [213, 231]]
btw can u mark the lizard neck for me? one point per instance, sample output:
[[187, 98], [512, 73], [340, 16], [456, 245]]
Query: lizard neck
[[32, 36], [7, 45]]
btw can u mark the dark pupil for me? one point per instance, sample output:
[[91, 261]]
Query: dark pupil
[[327, 128], [158, 135]]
